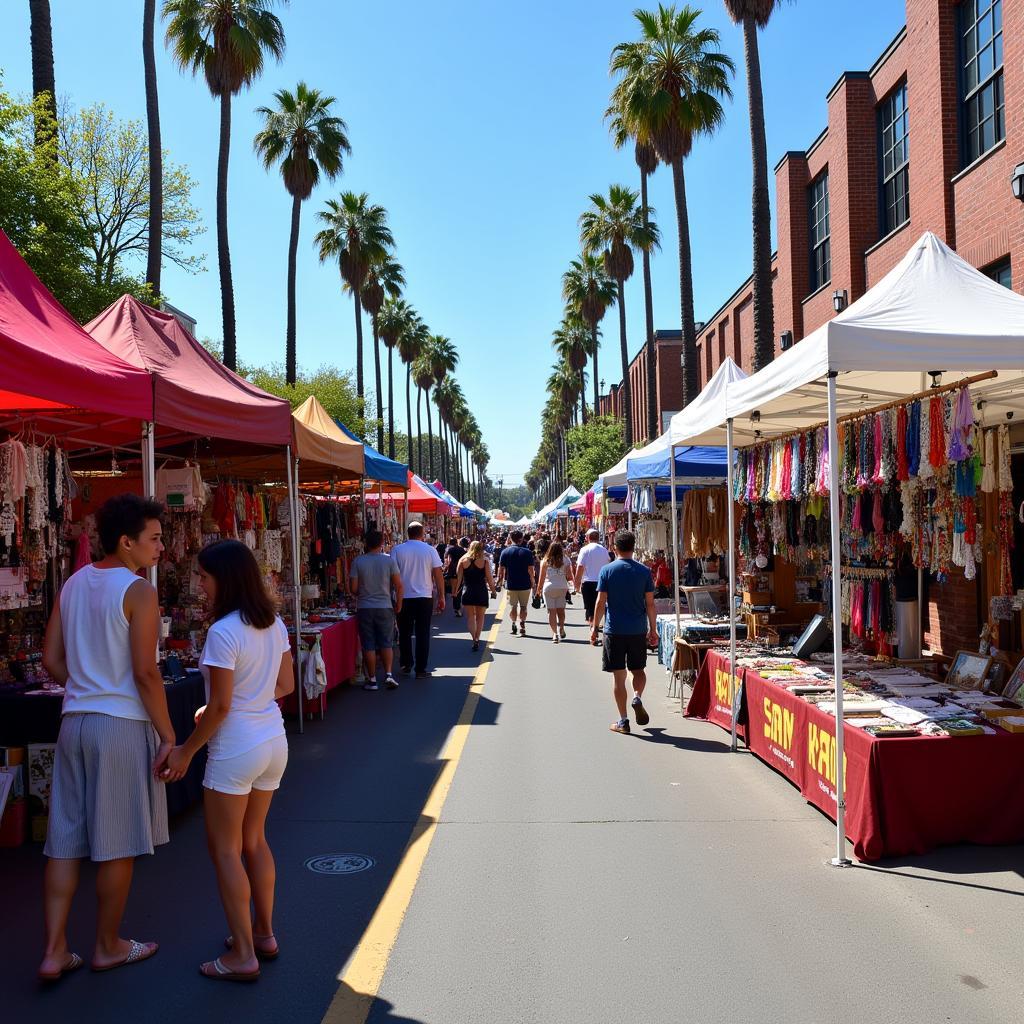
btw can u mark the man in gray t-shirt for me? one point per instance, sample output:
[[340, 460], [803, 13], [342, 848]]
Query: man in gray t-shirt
[[372, 579]]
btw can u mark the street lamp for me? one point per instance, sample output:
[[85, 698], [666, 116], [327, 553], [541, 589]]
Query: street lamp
[[839, 299]]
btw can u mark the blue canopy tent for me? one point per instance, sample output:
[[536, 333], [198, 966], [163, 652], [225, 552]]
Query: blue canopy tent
[[695, 465], [379, 467]]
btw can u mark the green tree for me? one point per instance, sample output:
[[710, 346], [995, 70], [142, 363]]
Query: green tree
[[752, 15], [572, 343], [333, 389], [614, 226], [357, 235], [301, 134], [394, 320], [593, 448], [669, 92], [411, 343], [44, 89], [109, 161], [588, 291], [385, 279], [227, 40]]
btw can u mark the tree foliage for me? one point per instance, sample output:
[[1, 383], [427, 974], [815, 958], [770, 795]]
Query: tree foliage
[[593, 448], [333, 389]]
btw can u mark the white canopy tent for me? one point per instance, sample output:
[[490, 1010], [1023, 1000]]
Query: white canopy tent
[[932, 315], [564, 500]]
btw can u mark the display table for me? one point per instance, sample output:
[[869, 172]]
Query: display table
[[25, 720], [904, 795], [339, 645]]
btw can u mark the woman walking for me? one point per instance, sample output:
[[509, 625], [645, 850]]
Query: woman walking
[[473, 581], [553, 584], [247, 663]]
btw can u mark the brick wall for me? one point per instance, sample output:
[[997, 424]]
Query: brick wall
[[952, 620]]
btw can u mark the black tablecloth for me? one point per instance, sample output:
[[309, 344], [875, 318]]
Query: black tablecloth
[[25, 720]]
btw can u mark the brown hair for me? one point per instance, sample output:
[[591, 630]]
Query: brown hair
[[555, 556], [240, 586], [124, 515]]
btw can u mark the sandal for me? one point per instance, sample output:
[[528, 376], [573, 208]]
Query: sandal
[[140, 951], [261, 954], [74, 962], [218, 972]]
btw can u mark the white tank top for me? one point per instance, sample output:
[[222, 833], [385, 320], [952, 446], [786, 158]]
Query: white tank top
[[99, 657], [554, 579]]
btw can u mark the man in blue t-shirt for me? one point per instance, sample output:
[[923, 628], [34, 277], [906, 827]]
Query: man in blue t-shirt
[[625, 590], [517, 571]]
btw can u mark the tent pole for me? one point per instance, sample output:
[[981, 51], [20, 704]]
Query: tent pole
[[731, 517], [675, 542], [149, 474], [293, 501], [840, 859]]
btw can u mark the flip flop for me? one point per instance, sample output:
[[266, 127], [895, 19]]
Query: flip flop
[[74, 962], [140, 951], [218, 972], [229, 943]]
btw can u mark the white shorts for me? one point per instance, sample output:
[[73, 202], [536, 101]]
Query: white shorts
[[260, 768]]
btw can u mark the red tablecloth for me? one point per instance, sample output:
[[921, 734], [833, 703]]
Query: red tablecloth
[[904, 795], [339, 644]]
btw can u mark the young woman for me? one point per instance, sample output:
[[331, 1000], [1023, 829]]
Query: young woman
[[553, 584], [473, 581], [247, 663]]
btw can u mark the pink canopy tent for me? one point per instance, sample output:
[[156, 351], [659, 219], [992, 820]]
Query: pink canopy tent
[[192, 391], [421, 500], [55, 372]]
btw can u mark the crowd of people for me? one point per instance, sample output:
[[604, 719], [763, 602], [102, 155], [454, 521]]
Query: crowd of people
[[117, 749]]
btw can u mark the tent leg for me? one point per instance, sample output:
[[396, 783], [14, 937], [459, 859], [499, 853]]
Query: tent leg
[[293, 501], [731, 517], [675, 534], [840, 859], [149, 475]]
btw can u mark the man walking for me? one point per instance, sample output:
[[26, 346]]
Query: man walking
[[372, 578], [419, 567], [625, 590], [516, 571], [593, 557]]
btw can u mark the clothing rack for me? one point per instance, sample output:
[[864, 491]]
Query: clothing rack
[[854, 572]]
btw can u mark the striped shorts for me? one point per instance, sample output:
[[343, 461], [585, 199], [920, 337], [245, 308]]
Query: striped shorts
[[105, 803]]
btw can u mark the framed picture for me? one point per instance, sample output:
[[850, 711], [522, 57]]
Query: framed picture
[[998, 673], [1014, 688], [969, 670]]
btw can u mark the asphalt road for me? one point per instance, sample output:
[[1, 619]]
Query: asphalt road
[[575, 875]]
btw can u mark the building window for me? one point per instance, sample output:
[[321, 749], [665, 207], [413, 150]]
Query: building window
[[821, 262], [1000, 273], [981, 24], [895, 160]]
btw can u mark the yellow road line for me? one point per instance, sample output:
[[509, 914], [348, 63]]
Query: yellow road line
[[360, 978]]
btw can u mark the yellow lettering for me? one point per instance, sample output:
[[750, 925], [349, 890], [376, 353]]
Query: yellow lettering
[[767, 718]]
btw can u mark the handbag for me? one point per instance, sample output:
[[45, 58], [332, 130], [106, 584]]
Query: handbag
[[536, 601]]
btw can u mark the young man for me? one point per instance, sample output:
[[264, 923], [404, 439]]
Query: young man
[[419, 567], [372, 578], [625, 590], [593, 557], [516, 571]]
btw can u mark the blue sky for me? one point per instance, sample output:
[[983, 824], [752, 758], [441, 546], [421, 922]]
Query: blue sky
[[479, 127]]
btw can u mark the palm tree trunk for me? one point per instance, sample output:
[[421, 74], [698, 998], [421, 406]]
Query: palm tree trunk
[[408, 413], [360, 391], [691, 387], [391, 402], [154, 245], [653, 429], [380, 385], [583, 399], [764, 305], [442, 429], [290, 356], [419, 432], [593, 339], [43, 81], [627, 405], [227, 292], [430, 436]]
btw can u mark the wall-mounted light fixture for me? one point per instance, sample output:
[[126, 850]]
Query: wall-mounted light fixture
[[1017, 182], [936, 376], [839, 299], [786, 340]]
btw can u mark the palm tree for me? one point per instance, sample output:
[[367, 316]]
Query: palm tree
[[301, 133], [423, 375], [615, 226], [154, 243], [589, 291], [226, 40], [443, 360], [44, 88], [386, 278], [668, 93], [411, 343], [647, 161], [755, 14], [572, 342], [357, 235], [395, 318]]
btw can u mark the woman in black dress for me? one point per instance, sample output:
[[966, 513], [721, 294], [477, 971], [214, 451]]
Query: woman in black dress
[[473, 583]]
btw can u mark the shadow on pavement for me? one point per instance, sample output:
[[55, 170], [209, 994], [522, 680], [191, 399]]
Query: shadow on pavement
[[355, 785], [957, 860], [658, 735]]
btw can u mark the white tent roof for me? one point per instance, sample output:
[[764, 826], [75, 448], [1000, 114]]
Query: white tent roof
[[567, 497], [616, 476], [700, 422], [933, 311], [473, 506]]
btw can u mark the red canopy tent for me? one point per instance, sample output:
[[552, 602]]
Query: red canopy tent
[[192, 391], [421, 501], [53, 370]]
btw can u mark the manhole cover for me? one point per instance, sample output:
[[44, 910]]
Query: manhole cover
[[339, 863]]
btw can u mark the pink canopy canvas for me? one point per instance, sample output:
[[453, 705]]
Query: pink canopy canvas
[[192, 392], [50, 363]]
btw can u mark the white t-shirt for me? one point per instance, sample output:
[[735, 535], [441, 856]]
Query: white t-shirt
[[255, 657], [593, 558], [416, 562]]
